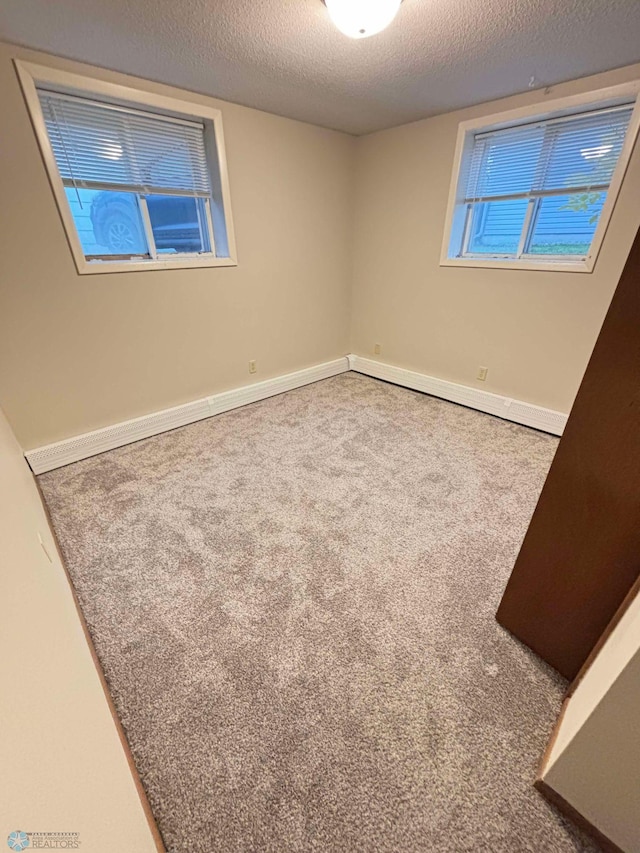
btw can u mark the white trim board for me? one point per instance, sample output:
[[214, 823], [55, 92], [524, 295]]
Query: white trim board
[[42, 459], [527, 414], [78, 447]]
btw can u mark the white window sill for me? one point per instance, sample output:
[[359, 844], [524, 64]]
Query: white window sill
[[583, 265], [100, 267]]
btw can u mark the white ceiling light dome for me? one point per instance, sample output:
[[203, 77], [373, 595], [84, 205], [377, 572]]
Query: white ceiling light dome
[[361, 18]]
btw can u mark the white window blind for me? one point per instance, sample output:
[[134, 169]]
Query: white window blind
[[100, 145], [573, 154]]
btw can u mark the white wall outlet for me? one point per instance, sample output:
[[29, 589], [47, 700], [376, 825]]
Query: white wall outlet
[[377, 349], [482, 373], [253, 367]]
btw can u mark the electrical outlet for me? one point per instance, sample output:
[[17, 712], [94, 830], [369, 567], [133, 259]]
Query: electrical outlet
[[253, 367], [377, 349], [482, 373]]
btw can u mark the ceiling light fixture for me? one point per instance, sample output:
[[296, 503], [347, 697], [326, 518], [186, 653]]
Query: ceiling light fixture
[[361, 18]]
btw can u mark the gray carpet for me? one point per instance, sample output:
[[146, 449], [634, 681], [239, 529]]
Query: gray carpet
[[294, 607]]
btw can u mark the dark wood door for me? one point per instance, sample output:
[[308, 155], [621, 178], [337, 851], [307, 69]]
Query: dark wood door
[[581, 553]]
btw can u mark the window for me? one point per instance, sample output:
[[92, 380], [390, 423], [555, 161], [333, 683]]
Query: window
[[140, 179], [537, 193]]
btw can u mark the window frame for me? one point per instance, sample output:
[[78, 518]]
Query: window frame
[[457, 212], [31, 75]]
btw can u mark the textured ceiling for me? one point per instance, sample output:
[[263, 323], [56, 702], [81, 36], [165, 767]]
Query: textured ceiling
[[286, 57]]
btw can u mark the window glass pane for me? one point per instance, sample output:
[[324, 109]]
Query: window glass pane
[[496, 227], [108, 223], [101, 142], [584, 151], [565, 225], [505, 163], [178, 223]]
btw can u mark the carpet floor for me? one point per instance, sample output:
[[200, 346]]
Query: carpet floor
[[293, 604]]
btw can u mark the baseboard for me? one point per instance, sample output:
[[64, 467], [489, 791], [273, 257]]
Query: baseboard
[[518, 411], [78, 447], [42, 459]]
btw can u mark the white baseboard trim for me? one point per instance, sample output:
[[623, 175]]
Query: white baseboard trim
[[78, 447], [527, 414], [42, 459]]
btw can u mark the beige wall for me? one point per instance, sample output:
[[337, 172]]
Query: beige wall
[[595, 760], [331, 231], [79, 352], [63, 766], [533, 330]]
